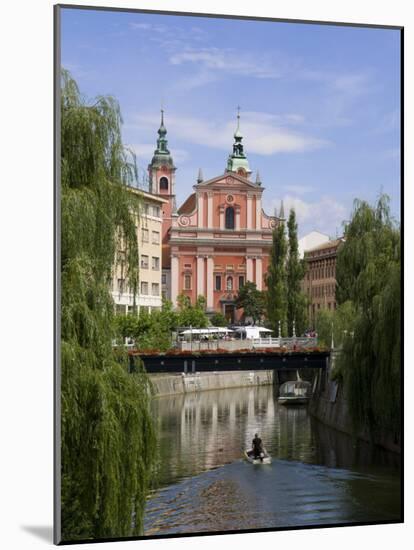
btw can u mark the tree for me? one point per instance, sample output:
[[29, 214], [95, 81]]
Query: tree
[[276, 280], [295, 271], [218, 320], [369, 275], [107, 431], [189, 315], [149, 330], [251, 300], [335, 325]]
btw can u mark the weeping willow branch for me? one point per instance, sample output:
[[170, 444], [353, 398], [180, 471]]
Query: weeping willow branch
[[368, 275], [107, 431]]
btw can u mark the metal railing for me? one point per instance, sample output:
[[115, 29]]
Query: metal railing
[[290, 343]]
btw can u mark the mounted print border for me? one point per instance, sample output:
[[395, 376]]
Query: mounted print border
[[228, 274]]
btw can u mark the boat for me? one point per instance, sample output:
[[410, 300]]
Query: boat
[[295, 392], [266, 459]]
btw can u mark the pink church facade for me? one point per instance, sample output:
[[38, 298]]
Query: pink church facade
[[219, 238]]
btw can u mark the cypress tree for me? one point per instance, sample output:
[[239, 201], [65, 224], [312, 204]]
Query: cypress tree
[[296, 300], [276, 296], [107, 434]]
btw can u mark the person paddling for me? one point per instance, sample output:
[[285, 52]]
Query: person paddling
[[257, 447]]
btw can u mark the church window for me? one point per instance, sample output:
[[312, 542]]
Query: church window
[[241, 281], [229, 284], [218, 282], [229, 217], [187, 282], [164, 184]]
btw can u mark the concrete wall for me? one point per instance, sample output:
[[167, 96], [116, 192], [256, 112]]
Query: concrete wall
[[329, 404], [179, 383]]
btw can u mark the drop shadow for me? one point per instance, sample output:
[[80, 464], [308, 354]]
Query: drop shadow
[[43, 532]]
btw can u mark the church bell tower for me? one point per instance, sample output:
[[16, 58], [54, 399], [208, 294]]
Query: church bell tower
[[161, 172]]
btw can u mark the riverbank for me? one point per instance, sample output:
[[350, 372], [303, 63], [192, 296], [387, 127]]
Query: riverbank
[[329, 405], [175, 384]]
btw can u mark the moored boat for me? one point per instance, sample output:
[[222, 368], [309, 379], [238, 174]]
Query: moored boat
[[295, 392]]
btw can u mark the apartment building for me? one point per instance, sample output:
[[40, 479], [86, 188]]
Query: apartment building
[[149, 230]]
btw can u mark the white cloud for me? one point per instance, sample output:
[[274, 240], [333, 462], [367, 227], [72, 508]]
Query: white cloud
[[323, 214], [266, 134], [227, 61]]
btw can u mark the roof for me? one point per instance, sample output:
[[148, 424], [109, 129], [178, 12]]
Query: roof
[[324, 246], [229, 173], [146, 195], [188, 205], [166, 256]]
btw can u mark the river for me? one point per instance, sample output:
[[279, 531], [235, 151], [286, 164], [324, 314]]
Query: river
[[317, 477]]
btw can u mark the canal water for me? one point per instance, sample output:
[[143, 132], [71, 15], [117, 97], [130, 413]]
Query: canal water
[[318, 476]]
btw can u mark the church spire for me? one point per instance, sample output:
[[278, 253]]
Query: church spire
[[200, 176], [162, 131], [161, 159], [162, 142], [237, 161], [162, 155], [282, 211]]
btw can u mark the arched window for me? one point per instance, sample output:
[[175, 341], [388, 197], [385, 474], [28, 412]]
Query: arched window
[[229, 217], [229, 285], [164, 183]]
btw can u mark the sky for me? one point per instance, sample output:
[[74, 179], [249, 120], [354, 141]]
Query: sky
[[319, 104]]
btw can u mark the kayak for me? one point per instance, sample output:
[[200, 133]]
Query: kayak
[[266, 459]]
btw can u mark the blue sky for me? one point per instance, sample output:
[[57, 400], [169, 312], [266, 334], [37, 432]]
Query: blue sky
[[320, 105]]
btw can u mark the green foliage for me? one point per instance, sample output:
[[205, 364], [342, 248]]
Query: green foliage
[[335, 325], [108, 439], [295, 271], [149, 330], [192, 315], [218, 320], [251, 300], [368, 274], [276, 296]]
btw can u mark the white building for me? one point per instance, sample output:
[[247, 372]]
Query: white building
[[149, 230], [311, 240]]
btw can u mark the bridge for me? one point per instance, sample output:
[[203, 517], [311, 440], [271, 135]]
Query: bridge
[[235, 361]]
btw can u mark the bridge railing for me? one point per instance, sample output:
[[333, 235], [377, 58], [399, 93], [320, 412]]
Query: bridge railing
[[289, 343], [234, 345]]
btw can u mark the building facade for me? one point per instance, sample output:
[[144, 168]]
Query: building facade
[[220, 237], [319, 283], [149, 235]]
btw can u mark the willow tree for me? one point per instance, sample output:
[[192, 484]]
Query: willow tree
[[295, 271], [106, 427], [276, 296], [368, 275]]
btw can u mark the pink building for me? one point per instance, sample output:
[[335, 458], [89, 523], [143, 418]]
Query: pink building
[[220, 237]]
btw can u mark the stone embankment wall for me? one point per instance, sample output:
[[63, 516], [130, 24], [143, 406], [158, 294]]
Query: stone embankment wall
[[329, 404], [165, 384]]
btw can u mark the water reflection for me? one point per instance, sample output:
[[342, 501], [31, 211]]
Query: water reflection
[[318, 475]]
